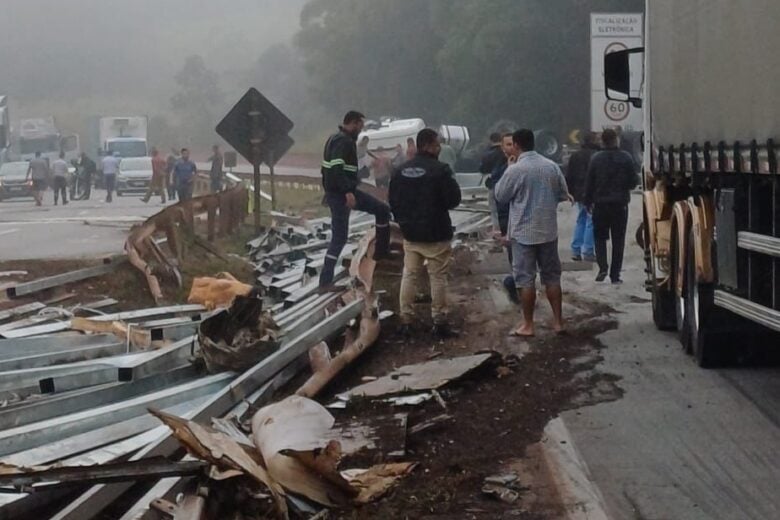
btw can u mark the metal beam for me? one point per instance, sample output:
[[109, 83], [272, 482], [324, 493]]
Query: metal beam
[[118, 316], [71, 355], [21, 310], [62, 279], [10, 348], [37, 434], [28, 412], [147, 469], [91, 503], [160, 360]]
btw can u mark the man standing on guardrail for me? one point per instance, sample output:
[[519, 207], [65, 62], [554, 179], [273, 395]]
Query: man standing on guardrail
[[340, 181]]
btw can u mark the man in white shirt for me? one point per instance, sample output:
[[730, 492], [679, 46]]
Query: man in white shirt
[[110, 165], [59, 170]]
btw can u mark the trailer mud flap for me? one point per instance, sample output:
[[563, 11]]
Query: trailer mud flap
[[726, 240]]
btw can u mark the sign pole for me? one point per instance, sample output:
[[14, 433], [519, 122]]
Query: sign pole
[[271, 161], [256, 140]]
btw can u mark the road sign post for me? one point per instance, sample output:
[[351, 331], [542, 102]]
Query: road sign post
[[259, 132]]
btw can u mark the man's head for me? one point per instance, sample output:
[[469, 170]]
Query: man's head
[[37, 155], [523, 141], [495, 139], [215, 149], [590, 139], [83, 155], [353, 123], [428, 142], [62, 155], [507, 145], [410, 142], [155, 152], [185, 154], [609, 138]]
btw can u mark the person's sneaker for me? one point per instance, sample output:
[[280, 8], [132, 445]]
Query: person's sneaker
[[589, 258], [444, 331], [601, 277], [511, 289], [617, 281], [576, 258]]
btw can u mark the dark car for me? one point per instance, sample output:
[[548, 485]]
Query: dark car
[[13, 180]]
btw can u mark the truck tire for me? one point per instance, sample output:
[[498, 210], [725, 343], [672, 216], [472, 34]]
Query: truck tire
[[704, 326], [663, 300], [680, 314]]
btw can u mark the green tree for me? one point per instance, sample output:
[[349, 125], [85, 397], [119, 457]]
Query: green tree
[[199, 103]]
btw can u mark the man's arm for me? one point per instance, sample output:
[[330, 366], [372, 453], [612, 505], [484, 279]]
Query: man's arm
[[506, 188], [590, 182], [451, 189]]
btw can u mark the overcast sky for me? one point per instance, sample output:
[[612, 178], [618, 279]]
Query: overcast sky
[[93, 53]]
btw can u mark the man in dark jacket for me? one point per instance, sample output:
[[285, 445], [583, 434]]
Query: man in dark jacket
[[422, 192], [576, 175], [88, 169], [491, 159], [611, 177], [508, 149], [340, 180]]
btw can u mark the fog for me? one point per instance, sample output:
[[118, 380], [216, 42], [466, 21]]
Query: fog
[[77, 58]]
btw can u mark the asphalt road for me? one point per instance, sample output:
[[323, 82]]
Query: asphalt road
[[682, 442], [79, 230]]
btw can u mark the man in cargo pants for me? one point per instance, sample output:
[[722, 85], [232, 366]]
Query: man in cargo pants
[[340, 180]]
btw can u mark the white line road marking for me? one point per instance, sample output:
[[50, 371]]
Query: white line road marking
[[8, 231]]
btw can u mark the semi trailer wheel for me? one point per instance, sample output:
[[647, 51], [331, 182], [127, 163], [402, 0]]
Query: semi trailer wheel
[[662, 299], [704, 326]]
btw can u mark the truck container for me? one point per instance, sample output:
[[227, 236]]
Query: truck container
[[126, 136], [711, 231]]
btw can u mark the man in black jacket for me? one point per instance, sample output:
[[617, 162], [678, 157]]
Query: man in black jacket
[[422, 192], [611, 177], [340, 180], [576, 175], [491, 159]]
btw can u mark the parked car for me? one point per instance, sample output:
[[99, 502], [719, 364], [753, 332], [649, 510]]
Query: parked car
[[135, 175], [13, 180]]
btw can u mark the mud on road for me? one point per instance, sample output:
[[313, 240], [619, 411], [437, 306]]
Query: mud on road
[[498, 412]]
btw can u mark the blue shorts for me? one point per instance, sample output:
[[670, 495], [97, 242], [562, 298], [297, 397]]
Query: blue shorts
[[527, 258]]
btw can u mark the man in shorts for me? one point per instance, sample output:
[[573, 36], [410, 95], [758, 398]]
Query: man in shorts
[[533, 187]]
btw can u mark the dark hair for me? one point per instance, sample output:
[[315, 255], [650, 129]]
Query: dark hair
[[525, 139], [495, 137], [62, 155], [590, 138], [609, 137], [426, 137], [184, 150], [505, 135], [353, 116], [37, 154]]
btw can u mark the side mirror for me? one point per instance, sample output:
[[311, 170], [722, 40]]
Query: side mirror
[[617, 76]]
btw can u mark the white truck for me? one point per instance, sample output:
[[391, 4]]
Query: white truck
[[126, 136], [42, 135]]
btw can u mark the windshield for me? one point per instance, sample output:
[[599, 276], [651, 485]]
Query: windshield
[[14, 169], [136, 164], [128, 148], [40, 144]]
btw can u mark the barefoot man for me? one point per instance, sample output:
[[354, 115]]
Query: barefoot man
[[533, 187]]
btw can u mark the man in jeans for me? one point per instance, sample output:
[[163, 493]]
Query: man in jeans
[[38, 171], [110, 169], [534, 186], [422, 192], [576, 175], [611, 177], [59, 170], [340, 181], [184, 172]]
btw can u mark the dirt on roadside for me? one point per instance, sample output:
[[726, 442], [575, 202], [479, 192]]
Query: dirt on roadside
[[498, 411]]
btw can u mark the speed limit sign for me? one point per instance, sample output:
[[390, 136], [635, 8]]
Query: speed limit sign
[[616, 110]]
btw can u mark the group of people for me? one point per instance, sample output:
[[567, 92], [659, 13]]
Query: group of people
[[173, 176], [526, 189]]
